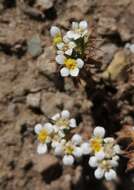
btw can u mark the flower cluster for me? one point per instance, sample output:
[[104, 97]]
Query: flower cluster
[[68, 149], [70, 48], [104, 153], [54, 132], [58, 137]]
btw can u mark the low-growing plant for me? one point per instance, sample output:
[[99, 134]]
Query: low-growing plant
[[58, 135]]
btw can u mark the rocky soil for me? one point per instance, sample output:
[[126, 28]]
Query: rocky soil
[[30, 88]]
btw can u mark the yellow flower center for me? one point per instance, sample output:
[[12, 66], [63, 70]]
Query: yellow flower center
[[96, 144], [70, 63], [69, 149], [62, 122], [43, 134], [57, 39]]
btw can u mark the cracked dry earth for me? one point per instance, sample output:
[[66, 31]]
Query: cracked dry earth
[[30, 88]]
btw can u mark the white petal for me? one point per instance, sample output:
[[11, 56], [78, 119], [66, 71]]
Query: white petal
[[59, 150], [77, 152], [41, 148], [85, 148], [72, 123], [93, 162], [99, 173], [70, 34], [113, 163], [69, 51], [75, 25], [37, 128], [68, 160], [60, 46], [60, 59], [117, 149], [99, 132], [54, 30], [80, 63], [65, 114], [74, 72], [111, 174], [76, 139], [66, 39], [100, 155], [83, 25], [56, 116], [64, 72], [48, 127]]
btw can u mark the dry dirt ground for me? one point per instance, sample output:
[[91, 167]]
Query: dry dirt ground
[[29, 87]]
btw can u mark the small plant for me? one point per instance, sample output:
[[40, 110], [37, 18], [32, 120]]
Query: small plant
[[70, 48], [58, 138], [58, 135]]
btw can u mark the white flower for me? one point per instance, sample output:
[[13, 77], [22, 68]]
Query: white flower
[[77, 139], [71, 148], [63, 121], [99, 132], [110, 175], [85, 148], [68, 160], [78, 30], [104, 153], [93, 162], [44, 132], [66, 48], [99, 173], [54, 31], [44, 136], [70, 66]]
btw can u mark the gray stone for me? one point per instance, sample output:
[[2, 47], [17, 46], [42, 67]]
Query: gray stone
[[34, 46]]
